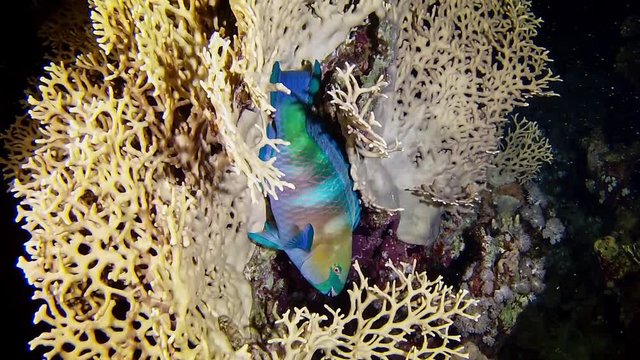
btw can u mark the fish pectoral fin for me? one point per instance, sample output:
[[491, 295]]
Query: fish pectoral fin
[[303, 240], [267, 238]]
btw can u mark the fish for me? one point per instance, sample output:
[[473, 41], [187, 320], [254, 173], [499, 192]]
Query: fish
[[313, 222]]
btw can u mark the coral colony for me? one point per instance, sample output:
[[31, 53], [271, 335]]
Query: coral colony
[[139, 173]]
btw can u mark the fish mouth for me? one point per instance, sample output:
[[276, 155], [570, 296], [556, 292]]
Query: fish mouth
[[332, 292]]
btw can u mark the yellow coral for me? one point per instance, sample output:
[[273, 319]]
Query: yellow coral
[[115, 211], [523, 152], [487, 64], [380, 323], [195, 76], [110, 230]]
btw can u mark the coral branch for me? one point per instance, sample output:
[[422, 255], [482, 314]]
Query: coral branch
[[410, 317], [356, 115], [523, 151]]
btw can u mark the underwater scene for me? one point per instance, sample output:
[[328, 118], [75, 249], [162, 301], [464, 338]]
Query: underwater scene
[[335, 179]]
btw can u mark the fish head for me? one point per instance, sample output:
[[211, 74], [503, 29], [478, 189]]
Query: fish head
[[328, 266]]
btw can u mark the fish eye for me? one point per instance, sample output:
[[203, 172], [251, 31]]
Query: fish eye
[[337, 269]]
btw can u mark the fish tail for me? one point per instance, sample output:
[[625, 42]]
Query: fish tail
[[303, 84]]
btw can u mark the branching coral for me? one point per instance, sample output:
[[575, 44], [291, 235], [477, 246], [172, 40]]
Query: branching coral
[[19, 143], [459, 68], [77, 37], [114, 217], [410, 317], [523, 151], [110, 230], [355, 104], [197, 75]]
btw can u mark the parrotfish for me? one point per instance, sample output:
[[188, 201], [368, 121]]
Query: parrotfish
[[314, 222]]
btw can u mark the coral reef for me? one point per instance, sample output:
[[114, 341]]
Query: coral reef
[[504, 280], [610, 169], [507, 249], [617, 260], [110, 231], [111, 224], [138, 176], [611, 181]]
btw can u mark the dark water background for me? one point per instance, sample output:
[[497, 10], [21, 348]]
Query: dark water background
[[577, 317]]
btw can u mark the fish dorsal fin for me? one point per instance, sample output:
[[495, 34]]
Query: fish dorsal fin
[[330, 147], [303, 240], [355, 215], [268, 237], [314, 83]]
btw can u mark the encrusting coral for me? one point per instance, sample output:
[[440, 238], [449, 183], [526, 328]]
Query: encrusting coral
[[138, 173]]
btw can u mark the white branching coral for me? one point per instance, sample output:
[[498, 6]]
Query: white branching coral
[[523, 151], [459, 68], [216, 85], [356, 116], [411, 317]]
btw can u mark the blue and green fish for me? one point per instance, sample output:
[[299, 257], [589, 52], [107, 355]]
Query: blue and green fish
[[314, 222]]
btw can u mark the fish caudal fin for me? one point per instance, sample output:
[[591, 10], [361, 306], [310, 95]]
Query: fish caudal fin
[[268, 237]]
